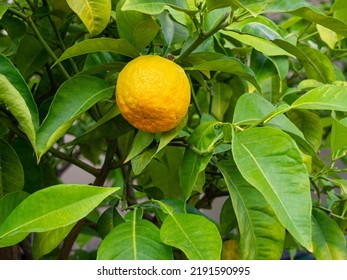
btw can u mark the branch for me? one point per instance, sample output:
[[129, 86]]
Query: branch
[[74, 161], [203, 36]]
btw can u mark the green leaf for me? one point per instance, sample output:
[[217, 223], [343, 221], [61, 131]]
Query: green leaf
[[173, 32], [167, 136], [11, 170], [340, 10], [338, 140], [134, 240], [317, 65], [262, 45], [73, 98], [261, 234], [138, 28], [329, 242], [217, 4], [30, 56], [270, 161], [49, 213], [194, 162], [155, 7], [15, 29], [46, 242], [327, 97], [140, 162], [222, 94], [120, 46], [94, 14], [328, 36], [7, 204], [310, 125], [195, 235], [164, 173], [315, 15], [15, 93], [141, 141], [3, 9], [108, 220], [254, 7], [228, 65]]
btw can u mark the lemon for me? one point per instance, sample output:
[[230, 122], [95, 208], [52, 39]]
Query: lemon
[[153, 93]]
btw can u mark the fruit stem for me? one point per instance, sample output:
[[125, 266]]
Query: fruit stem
[[203, 36]]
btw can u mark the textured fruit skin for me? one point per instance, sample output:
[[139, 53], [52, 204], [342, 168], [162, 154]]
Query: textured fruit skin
[[153, 93]]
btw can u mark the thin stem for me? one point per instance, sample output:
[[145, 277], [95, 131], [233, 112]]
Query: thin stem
[[57, 33], [70, 240], [202, 38], [107, 165], [194, 99], [40, 38], [74, 161], [31, 4]]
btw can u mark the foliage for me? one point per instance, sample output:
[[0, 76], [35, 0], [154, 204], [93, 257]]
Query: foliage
[[266, 131]]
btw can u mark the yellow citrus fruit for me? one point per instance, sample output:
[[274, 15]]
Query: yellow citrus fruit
[[153, 93]]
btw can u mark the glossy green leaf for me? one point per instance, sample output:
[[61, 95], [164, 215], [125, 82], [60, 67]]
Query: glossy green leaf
[[108, 220], [134, 240], [73, 98], [228, 65], [304, 9], [195, 235], [222, 94], [30, 56], [138, 28], [120, 46], [7, 204], [217, 4], [338, 140], [271, 162], [167, 136], [15, 31], [141, 141], [46, 242], [254, 7], [95, 14], [328, 36], [155, 7], [310, 125], [11, 170], [262, 45], [261, 234], [164, 173], [317, 65], [327, 97], [329, 242], [194, 162], [49, 213], [315, 15], [173, 32], [252, 109], [3, 9], [15, 93], [340, 10], [140, 162]]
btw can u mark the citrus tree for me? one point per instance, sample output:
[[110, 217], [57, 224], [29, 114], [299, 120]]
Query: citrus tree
[[261, 100]]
